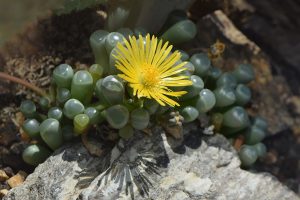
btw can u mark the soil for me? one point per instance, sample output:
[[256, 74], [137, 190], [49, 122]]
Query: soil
[[65, 39], [13, 16]]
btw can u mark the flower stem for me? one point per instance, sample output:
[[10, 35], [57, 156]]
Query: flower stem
[[34, 88]]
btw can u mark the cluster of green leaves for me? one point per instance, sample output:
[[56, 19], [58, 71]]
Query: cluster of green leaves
[[88, 98], [224, 100]]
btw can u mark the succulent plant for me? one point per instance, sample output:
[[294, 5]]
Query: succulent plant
[[55, 113], [97, 42], [225, 96], [72, 108], [180, 32], [81, 123], [255, 135], [35, 154], [50, 131], [117, 116], [32, 128], [126, 132], [194, 89], [205, 101], [226, 79], [189, 114], [248, 155], [28, 108], [63, 95], [139, 118], [201, 62], [82, 86], [136, 81], [261, 149]]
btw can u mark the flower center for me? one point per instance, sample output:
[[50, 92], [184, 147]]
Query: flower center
[[149, 75]]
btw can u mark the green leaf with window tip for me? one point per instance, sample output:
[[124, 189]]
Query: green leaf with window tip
[[63, 75], [201, 63], [94, 115], [72, 108], [206, 101], [244, 73], [63, 95], [180, 32], [261, 149], [139, 31], [260, 122], [55, 113], [248, 155], [254, 135], [81, 123], [96, 72], [97, 43], [189, 114], [243, 94], [44, 103], [82, 87], [126, 32], [227, 79], [194, 89], [112, 39], [139, 118], [117, 116], [112, 62], [236, 117], [225, 96], [35, 154], [32, 128], [184, 55], [126, 132], [51, 133], [28, 108], [112, 90], [151, 105]]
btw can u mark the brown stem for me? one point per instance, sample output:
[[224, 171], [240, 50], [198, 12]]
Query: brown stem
[[23, 82], [239, 141]]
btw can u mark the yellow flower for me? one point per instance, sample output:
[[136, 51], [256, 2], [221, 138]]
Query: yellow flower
[[150, 68]]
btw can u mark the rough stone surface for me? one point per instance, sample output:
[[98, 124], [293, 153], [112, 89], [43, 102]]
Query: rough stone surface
[[201, 167], [17, 179], [272, 17], [3, 175]]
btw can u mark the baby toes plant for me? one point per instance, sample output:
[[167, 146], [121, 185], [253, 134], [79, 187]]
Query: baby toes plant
[[140, 79]]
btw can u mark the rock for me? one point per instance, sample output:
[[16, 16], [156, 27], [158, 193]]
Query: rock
[[8, 171], [202, 167], [3, 192], [195, 185], [17, 179], [276, 19], [7, 136], [8, 158], [3, 175], [179, 196]]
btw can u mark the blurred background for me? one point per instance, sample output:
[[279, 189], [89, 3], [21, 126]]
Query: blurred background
[[15, 14]]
